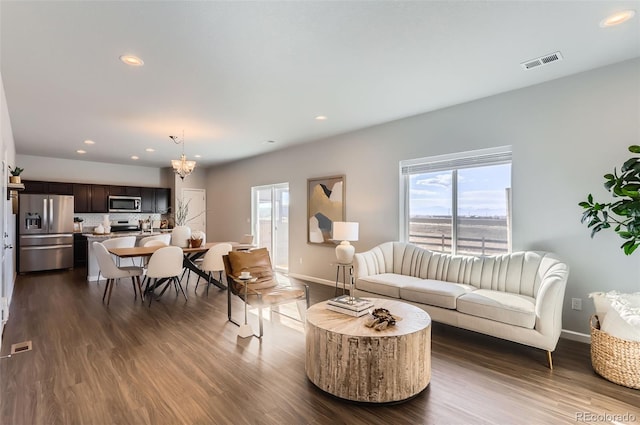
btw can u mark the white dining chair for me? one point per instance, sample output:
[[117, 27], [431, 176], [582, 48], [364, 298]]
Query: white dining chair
[[212, 262], [112, 272], [165, 263], [245, 243], [155, 242], [164, 239], [121, 242]]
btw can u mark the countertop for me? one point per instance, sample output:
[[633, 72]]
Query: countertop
[[119, 234]]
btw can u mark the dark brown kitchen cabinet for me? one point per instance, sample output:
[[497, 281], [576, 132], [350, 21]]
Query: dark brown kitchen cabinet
[[117, 190], [99, 198], [163, 197], [148, 195], [52, 188], [124, 190], [81, 198], [80, 246], [132, 191], [60, 188], [33, 186]]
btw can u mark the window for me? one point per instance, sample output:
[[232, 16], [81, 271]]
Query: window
[[459, 204]]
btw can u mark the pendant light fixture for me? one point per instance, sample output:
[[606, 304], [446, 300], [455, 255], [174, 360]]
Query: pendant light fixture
[[181, 166]]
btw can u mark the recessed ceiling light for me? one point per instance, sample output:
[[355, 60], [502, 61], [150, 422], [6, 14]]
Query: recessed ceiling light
[[134, 157], [150, 150], [617, 18], [81, 152], [89, 142], [198, 156], [131, 60], [321, 118]]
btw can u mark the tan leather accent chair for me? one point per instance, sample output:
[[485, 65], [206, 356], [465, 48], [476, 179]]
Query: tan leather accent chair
[[263, 292]]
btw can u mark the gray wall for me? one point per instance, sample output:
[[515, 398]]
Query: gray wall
[[565, 135], [77, 171]]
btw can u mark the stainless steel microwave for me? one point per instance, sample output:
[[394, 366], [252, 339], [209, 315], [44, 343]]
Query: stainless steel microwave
[[124, 203]]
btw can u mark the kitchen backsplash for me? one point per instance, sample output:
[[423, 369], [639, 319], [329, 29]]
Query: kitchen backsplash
[[92, 220]]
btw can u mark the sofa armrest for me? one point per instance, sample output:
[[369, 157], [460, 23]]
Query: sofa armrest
[[377, 260], [550, 299]]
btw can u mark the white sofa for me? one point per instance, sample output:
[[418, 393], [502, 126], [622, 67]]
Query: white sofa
[[517, 296]]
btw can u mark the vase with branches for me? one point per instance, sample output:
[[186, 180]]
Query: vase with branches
[[181, 234]]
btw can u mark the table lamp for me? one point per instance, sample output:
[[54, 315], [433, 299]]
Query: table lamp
[[345, 231]]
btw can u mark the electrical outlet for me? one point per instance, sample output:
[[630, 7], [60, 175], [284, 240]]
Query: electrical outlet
[[576, 303]]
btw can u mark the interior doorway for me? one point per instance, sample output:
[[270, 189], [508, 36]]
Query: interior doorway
[[270, 222]]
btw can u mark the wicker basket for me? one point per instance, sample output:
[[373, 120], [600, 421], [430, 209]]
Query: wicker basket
[[615, 359]]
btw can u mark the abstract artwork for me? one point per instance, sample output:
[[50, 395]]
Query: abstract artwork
[[325, 204]]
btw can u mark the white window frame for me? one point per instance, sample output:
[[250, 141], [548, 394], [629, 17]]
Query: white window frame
[[453, 163]]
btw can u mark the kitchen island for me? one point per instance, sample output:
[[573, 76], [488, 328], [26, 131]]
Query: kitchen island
[[92, 263]]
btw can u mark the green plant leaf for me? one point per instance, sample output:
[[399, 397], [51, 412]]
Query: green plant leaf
[[634, 149], [629, 247], [628, 164]]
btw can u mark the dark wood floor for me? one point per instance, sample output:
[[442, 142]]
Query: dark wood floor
[[180, 362]]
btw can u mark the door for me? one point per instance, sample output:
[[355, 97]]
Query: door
[[60, 214], [197, 217], [270, 222], [4, 249]]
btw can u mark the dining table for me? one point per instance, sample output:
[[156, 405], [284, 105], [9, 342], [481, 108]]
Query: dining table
[[190, 256]]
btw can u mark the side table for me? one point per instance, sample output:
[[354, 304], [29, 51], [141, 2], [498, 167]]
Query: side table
[[345, 268]]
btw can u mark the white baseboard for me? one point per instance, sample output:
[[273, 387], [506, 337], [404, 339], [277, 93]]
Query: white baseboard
[[312, 279], [575, 336]]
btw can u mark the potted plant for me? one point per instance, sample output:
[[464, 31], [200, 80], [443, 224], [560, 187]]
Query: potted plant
[[15, 174], [624, 211]]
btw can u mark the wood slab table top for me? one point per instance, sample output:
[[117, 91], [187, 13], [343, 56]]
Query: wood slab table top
[[147, 251]]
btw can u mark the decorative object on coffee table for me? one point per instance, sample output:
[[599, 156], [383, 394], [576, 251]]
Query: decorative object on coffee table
[[380, 319]]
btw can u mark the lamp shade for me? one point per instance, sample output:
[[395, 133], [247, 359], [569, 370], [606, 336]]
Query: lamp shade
[[345, 231]]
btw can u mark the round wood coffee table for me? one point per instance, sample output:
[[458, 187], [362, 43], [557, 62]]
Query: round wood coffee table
[[351, 361]]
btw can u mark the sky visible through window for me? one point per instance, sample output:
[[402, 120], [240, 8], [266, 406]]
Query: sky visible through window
[[481, 192]]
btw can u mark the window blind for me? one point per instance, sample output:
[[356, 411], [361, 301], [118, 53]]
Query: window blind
[[478, 158]]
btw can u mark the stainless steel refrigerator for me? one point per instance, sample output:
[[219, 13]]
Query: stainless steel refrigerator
[[45, 229]]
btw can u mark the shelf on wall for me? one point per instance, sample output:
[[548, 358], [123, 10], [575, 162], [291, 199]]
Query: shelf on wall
[[12, 194], [15, 186]]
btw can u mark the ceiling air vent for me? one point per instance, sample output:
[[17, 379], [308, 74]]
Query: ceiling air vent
[[542, 60]]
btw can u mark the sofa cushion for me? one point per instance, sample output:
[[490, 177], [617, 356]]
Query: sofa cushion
[[513, 309], [434, 292], [387, 284]]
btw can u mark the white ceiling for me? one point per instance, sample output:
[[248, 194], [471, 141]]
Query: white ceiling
[[234, 75]]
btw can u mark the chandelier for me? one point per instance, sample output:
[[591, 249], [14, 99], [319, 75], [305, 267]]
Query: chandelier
[[181, 166]]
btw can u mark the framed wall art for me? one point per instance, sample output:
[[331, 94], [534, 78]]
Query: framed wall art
[[325, 204]]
